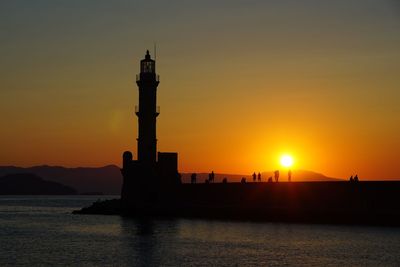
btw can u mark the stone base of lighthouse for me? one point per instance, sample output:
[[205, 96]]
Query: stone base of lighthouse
[[146, 184]]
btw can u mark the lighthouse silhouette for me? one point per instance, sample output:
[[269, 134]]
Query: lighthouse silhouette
[[152, 174], [147, 111]]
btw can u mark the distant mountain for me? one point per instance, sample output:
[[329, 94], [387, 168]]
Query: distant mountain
[[297, 176], [108, 179], [31, 184]]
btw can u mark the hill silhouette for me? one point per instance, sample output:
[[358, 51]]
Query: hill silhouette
[[108, 179], [31, 184]]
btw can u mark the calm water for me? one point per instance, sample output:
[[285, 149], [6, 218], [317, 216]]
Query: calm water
[[42, 231]]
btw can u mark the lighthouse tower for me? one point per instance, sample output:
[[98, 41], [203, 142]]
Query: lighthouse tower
[[152, 176], [147, 111]]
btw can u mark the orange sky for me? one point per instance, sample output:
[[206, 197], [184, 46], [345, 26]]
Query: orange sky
[[242, 82]]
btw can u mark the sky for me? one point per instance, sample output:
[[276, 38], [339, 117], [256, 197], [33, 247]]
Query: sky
[[242, 82]]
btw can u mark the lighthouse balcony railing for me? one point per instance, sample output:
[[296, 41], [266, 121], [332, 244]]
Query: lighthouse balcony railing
[[138, 78], [137, 110]]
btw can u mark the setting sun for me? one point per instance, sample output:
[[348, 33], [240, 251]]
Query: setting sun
[[286, 161]]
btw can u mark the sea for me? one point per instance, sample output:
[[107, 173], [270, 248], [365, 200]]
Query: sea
[[42, 231]]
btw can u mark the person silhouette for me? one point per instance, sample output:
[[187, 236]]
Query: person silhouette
[[290, 175], [243, 180], [351, 179], [193, 178], [254, 176], [259, 177], [356, 178], [276, 173]]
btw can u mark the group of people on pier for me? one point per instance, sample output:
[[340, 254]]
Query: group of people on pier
[[353, 179], [211, 178], [256, 177]]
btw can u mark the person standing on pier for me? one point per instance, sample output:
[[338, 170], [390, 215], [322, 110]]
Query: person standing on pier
[[276, 173], [211, 177], [193, 178]]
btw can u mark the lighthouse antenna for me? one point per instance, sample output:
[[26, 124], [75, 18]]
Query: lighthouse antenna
[[155, 51]]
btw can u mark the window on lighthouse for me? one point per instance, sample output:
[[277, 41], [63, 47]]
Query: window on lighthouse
[[148, 67]]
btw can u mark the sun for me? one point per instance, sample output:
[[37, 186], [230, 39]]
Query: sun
[[287, 161]]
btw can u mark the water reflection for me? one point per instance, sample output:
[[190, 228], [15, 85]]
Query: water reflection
[[147, 241], [37, 235]]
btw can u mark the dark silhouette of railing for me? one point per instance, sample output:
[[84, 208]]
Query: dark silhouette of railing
[[137, 110], [138, 78]]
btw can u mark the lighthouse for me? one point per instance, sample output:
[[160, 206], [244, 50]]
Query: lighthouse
[[152, 176], [147, 111]]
